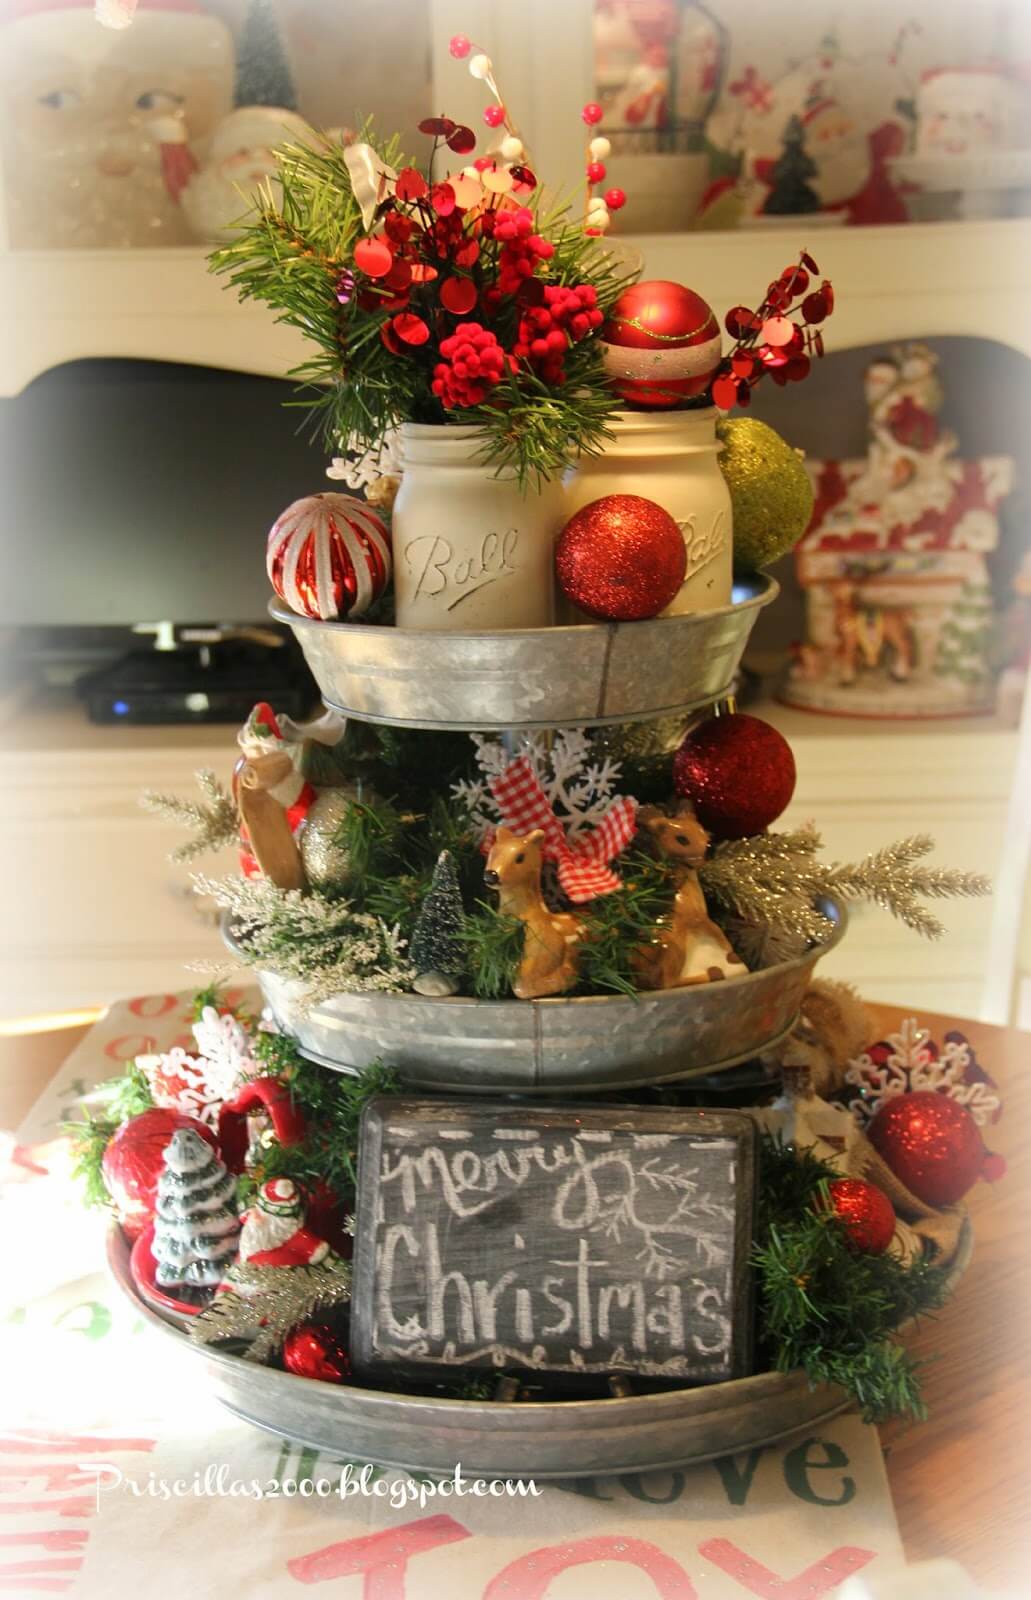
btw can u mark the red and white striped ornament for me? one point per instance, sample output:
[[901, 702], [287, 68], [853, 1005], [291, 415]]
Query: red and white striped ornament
[[329, 556], [662, 344]]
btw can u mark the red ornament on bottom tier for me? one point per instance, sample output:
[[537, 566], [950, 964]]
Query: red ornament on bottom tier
[[866, 1214], [933, 1145], [315, 1350]]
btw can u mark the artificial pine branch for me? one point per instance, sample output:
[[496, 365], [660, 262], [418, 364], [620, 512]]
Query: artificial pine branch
[[825, 1307], [213, 820]]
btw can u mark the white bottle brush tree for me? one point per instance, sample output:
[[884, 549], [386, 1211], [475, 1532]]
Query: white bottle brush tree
[[196, 1226]]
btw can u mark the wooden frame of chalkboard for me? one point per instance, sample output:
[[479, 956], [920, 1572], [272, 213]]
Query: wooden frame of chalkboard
[[577, 1240]]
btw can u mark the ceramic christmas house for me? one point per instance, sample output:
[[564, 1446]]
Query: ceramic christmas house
[[899, 615]]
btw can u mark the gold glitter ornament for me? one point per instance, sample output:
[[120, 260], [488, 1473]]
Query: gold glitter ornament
[[770, 492], [325, 861]]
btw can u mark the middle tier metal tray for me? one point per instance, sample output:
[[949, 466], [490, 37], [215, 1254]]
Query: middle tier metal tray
[[531, 677], [539, 1047]]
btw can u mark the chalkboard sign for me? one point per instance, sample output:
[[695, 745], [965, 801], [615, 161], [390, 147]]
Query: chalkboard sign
[[559, 1239]]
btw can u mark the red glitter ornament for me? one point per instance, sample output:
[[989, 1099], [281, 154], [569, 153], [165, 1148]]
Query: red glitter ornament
[[866, 1212], [329, 555], [662, 344], [738, 773], [315, 1350], [621, 558], [134, 1159], [933, 1145]]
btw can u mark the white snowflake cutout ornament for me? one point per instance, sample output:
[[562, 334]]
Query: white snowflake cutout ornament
[[909, 1060], [198, 1084]]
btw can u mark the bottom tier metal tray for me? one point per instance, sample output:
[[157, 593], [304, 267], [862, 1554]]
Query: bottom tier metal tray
[[589, 1045], [524, 1439]]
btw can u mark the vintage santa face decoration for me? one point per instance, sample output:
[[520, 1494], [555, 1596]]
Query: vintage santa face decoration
[[962, 112], [81, 114]]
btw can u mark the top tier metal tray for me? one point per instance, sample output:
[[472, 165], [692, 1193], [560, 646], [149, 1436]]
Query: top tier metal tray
[[531, 677]]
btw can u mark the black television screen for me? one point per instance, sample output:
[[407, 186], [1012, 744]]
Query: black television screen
[[138, 491]]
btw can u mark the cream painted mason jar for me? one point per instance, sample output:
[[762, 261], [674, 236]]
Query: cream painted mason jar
[[671, 457], [472, 552]]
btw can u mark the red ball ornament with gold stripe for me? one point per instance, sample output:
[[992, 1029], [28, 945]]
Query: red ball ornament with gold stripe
[[662, 344], [329, 556]]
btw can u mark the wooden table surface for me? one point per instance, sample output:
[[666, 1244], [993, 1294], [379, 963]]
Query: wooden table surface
[[961, 1480]]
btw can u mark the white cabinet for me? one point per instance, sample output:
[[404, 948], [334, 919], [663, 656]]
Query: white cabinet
[[94, 909], [865, 784]]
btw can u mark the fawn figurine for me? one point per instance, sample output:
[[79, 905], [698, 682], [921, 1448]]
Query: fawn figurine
[[687, 947], [549, 959]]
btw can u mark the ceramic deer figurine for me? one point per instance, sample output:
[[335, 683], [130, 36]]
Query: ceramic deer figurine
[[687, 947], [549, 959], [264, 816]]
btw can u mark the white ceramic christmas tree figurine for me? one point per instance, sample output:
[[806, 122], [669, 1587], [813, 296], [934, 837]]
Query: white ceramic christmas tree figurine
[[437, 952], [196, 1227]]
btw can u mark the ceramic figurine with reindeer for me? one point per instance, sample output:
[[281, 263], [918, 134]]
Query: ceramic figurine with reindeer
[[899, 618], [687, 946], [549, 960]]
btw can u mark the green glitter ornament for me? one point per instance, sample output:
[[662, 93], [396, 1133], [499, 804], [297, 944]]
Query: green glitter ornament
[[770, 491]]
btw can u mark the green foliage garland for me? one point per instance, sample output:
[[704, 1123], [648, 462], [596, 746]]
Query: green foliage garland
[[823, 1306]]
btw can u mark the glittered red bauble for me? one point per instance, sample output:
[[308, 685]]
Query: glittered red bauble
[[661, 344], [866, 1212], [932, 1144], [738, 773], [328, 556], [133, 1161], [316, 1351], [621, 558]]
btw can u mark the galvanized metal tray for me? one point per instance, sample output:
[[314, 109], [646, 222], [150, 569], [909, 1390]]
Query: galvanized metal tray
[[524, 1439], [540, 1047], [531, 677]]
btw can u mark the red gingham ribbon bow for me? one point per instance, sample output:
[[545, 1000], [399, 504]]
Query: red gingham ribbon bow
[[583, 869]]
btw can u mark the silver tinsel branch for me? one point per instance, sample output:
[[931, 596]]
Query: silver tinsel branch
[[326, 944], [769, 886], [265, 1303], [213, 820]]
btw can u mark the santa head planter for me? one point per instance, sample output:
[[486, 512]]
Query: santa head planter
[[94, 120]]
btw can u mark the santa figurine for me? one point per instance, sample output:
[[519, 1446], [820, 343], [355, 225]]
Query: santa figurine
[[101, 127], [274, 1232]]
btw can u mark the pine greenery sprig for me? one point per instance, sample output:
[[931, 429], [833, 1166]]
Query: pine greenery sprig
[[823, 1306], [331, 1104], [771, 885], [124, 1097], [213, 820]]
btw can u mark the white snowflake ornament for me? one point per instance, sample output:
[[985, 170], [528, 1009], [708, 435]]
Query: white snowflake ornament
[[908, 1061]]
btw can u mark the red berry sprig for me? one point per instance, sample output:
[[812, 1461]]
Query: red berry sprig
[[495, 115], [781, 338], [598, 209]]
